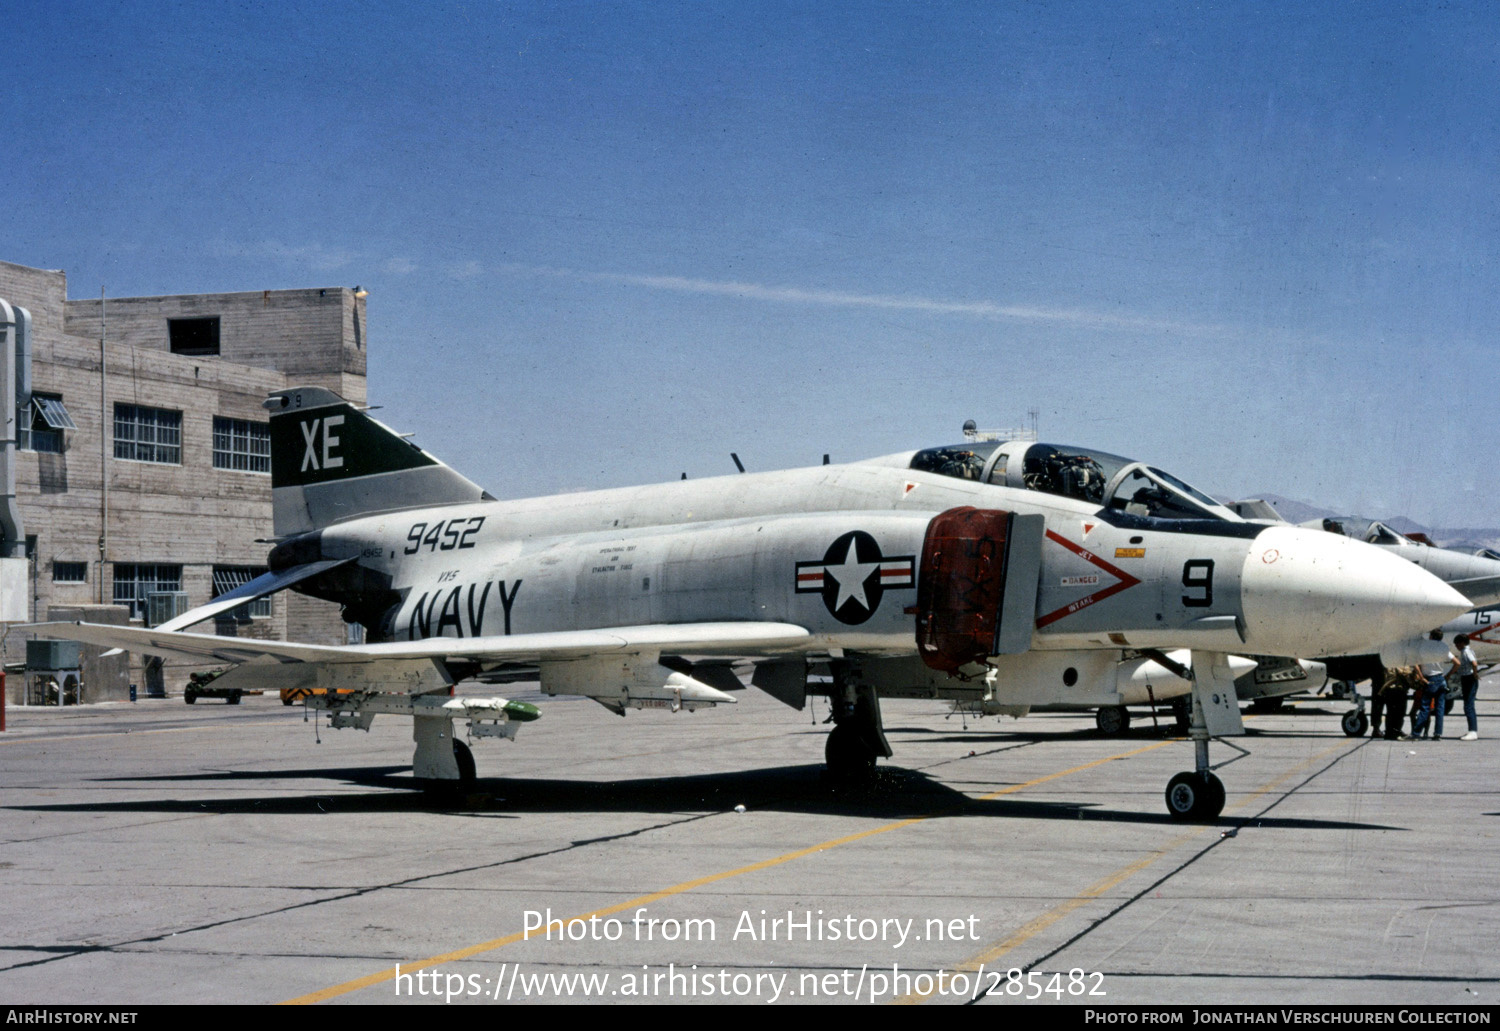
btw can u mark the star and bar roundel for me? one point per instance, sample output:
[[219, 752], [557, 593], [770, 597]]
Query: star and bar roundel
[[853, 576]]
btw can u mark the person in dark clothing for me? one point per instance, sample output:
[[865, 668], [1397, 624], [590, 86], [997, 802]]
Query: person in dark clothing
[[1389, 698]]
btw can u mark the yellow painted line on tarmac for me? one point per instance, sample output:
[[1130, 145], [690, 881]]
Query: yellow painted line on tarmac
[[1039, 924], [679, 889], [1076, 769]]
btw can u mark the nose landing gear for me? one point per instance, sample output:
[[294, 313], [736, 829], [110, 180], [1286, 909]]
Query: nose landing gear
[[1198, 795]]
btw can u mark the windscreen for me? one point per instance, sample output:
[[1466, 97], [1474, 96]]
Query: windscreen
[[1379, 533], [1147, 491]]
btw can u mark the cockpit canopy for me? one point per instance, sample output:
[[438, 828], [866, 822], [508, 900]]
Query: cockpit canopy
[[1368, 530], [1096, 477], [962, 461]]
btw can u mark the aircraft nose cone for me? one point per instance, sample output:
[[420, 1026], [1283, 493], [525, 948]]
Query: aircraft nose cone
[[1307, 592]]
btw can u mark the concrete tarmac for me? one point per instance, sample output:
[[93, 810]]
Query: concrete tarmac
[[159, 853]]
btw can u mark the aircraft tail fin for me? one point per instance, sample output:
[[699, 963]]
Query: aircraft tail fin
[[330, 461]]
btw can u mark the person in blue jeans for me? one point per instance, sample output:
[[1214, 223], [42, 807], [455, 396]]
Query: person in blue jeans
[[1466, 665], [1434, 697]]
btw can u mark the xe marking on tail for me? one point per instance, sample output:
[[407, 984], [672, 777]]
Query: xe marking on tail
[[310, 435]]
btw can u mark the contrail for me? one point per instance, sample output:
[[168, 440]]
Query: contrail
[[888, 302]]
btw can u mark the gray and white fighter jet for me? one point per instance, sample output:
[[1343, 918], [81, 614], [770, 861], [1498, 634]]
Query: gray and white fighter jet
[[1481, 626], [1475, 573], [982, 572]]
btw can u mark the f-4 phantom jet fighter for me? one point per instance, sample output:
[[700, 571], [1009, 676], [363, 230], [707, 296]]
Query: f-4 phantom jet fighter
[[1476, 574], [974, 572], [1481, 626]]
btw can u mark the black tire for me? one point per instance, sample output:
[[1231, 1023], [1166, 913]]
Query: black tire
[[1214, 797], [233, 698], [1267, 705], [465, 760], [1112, 720], [1355, 723], [1195, 797], [190, 696], [847, 756], [1448, 705], [285, 700], [447, 793]]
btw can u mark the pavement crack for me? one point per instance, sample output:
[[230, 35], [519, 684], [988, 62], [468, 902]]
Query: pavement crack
[[69, 951]]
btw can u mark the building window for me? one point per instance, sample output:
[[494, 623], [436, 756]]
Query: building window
[[194, 336], [148, 434], [228, 578], [135, 582], [48, 421], [69, 572], [242, 445]]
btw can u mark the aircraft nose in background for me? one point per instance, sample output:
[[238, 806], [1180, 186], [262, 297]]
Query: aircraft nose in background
[[1307, 592]]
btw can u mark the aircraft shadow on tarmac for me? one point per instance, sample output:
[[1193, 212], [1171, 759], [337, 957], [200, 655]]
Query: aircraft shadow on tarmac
[[892, 793], [1001, 736], [1004, 736]]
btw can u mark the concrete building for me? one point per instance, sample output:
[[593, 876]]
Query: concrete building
[[142, 458]]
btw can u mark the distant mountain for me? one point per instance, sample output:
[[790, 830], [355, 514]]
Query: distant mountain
[[1469, 538], [1294, 511]]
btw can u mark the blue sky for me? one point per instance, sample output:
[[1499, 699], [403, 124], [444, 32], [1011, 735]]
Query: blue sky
[[610, 243]]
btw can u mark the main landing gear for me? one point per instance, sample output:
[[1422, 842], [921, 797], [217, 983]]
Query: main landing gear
[[857, 740], [1197, 795], [464, 759], [443, 765], [1182, 714], [1356, 721], [1112, 719]]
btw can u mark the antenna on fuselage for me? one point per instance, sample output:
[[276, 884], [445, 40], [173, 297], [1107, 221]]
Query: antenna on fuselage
[[974, 434], [737, 463]]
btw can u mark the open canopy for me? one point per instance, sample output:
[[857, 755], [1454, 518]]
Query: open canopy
[[1370, 531]]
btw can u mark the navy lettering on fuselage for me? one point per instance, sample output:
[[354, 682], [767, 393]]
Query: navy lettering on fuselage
[[460, 607]]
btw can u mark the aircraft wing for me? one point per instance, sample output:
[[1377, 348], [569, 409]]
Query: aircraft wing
[[1481, 590], [731, 639]]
